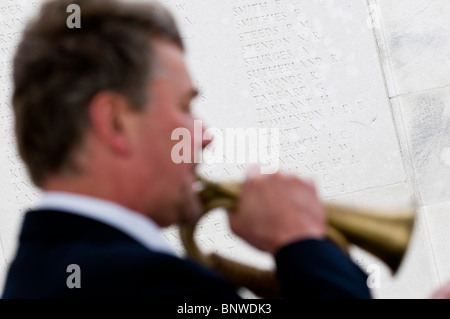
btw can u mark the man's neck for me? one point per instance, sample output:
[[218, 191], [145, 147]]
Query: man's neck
[[93, 186]]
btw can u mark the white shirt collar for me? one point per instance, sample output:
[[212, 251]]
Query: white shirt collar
[[137, 226]]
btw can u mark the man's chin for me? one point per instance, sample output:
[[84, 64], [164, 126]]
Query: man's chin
[[189, 208]]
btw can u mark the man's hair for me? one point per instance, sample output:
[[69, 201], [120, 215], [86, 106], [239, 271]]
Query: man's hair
[[58, 70]]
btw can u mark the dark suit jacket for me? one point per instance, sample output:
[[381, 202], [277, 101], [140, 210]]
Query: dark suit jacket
[[114, 265]]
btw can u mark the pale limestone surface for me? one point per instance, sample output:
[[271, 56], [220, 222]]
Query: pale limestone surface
[[359, 91]]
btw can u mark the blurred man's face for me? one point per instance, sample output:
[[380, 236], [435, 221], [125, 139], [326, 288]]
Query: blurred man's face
[[168, 186]]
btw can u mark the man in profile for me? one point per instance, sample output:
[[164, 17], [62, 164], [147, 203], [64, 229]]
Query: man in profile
[[95, 108]]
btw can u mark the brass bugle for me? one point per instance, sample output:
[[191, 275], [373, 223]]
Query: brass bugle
[[384, 234]]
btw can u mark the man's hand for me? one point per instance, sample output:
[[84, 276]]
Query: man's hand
[[275, 210]]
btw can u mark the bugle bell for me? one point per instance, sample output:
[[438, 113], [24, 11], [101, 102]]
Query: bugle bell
[[385, 235]]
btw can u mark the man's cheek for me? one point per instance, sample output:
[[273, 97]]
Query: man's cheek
[[187, 141]]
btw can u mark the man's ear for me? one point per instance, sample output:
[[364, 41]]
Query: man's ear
[[108, 113]]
